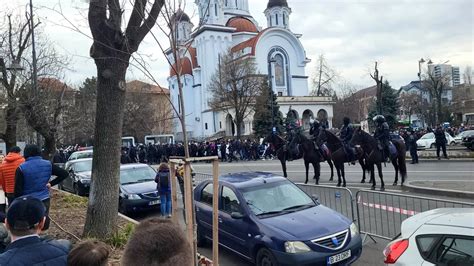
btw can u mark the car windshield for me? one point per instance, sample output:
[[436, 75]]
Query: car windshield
[[276, 198], [83, 166], [83, 155], [137, 175], [428, 136]]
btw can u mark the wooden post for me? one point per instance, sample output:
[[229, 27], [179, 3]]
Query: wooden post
[[188, 191], [174, 195], [215, 213]]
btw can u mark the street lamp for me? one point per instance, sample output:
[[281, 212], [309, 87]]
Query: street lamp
[[270, 83]]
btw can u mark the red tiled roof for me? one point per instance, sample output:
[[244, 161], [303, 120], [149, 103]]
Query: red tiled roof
[[186, 67], [242, 25], [54, 85], [143, 87], [252, 43]]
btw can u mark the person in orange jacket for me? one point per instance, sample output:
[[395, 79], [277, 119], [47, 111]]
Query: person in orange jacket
[[7, 172]]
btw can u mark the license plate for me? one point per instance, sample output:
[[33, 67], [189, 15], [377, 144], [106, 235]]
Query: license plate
[[155, 202], [339, 257]]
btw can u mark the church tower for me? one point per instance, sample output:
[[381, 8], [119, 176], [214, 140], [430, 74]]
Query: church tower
[[278, 14], [182, 26], [211, 12]]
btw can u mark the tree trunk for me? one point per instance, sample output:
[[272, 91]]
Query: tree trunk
[[238, 123], [11, 120], [104, 197], [49, 147]]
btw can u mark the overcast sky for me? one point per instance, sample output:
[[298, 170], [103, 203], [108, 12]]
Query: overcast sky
[[351, 34]]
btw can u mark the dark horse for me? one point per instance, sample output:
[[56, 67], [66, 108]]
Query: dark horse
[[374, 156], [306, 151], [339, 155]]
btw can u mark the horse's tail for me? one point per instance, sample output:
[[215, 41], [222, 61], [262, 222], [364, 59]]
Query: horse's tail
[[401, 149]]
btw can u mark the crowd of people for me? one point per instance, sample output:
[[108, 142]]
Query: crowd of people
[[24, 220]]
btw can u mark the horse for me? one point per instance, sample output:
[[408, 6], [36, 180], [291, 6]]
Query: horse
[[280, 146], [374, 156], [325, 155], [311, 155], [339, 155]]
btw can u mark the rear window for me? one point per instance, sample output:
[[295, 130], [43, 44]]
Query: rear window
[[426, 244], [446, 250]]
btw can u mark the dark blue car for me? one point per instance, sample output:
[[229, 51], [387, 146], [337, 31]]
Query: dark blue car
[[270, 221]]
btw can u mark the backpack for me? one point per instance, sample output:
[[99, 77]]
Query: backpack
[[164, 181]]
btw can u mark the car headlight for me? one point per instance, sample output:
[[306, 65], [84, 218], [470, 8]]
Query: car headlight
[[133, 196], [354, 230], [296, 247]]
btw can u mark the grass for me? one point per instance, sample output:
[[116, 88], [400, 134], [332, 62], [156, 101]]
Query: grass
[[71, 200], [120, 237]]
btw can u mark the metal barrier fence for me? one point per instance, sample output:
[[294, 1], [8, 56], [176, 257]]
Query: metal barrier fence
[[337, 198], [380, 214]]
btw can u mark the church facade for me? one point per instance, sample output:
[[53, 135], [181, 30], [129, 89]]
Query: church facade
[[227, 25]]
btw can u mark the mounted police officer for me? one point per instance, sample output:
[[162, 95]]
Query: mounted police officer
[[346, 133], [292, 129], [382, 134]]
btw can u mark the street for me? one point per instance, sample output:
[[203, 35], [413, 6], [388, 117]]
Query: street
[[372, 252]]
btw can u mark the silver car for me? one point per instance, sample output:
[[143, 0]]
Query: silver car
[[437, 237]]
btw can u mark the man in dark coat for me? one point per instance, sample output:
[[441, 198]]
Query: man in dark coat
[[25, 220], [441, 141], [382, 134], [411, 143]]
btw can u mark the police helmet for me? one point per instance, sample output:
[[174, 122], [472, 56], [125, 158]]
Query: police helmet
[[379, 119]]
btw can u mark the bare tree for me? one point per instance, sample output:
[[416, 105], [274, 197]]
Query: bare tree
[[234, 88], [111, 50], [15, 43], [324, 78], [410, 103], [437, 85], [379, 82], [346, 104]]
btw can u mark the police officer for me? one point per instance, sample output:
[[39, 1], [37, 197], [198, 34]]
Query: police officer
[[441, 141], [411, 143], [382, 134], [346, 133]]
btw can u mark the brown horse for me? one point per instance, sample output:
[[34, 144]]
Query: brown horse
[[374, 156], [339, 155], [306, 151]]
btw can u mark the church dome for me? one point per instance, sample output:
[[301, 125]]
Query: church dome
[[186, 68], [273, 3], [242, 25], [180, 16]]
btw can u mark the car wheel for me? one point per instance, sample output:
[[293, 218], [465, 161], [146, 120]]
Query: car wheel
[[75, 189], [452, 143], [265, 258], [432, 146], [122, 209]]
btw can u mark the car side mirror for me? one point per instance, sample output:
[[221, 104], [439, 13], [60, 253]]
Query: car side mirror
[[236, 215]]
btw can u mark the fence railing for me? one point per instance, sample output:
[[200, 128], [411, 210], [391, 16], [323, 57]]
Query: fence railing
[[380, 214], [337, 198]]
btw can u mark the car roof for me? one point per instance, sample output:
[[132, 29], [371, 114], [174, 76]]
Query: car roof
[[85, 151], [453, 217], [249, 179], [80, 160]]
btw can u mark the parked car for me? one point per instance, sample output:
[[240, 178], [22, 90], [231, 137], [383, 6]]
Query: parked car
[[137, 184], [459, 137], [268, 220], [468, 141], [80, 155], [437, 237], [428, 141], [79, 179]]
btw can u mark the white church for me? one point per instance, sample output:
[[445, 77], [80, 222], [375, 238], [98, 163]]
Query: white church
[[276, 49]]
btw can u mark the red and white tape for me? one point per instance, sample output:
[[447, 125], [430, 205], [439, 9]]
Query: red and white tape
[[386, 208]]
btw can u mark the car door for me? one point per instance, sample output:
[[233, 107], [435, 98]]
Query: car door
[[204, 210], [67, 183], [233, 223]]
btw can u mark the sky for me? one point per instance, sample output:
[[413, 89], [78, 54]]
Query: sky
[[352, 35]]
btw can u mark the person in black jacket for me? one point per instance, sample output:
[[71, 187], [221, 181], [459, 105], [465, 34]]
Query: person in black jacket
[[411, 143], [440, 137], [25, 220]]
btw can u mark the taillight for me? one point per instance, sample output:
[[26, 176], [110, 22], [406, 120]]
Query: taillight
[[395, 250]]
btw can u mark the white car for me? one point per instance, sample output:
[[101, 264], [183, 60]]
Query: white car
[[428, 141], [78, 155], [458, 138], [437, 237]]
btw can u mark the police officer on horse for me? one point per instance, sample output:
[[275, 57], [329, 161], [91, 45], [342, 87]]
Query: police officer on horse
[[382, 134], [346, 133]]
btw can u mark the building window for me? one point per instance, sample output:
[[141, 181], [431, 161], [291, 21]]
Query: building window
[[280, 93], [276, 19], [215, 9], [284, 20], [220, 124], [279, 70], [179, 104], [205, 126]]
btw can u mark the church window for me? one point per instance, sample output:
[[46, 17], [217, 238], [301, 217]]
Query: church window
[[279, 70], [220, 124], [280, 94], [284, 19], [215, 9], [236, 4], [205, 125], [276, 19]]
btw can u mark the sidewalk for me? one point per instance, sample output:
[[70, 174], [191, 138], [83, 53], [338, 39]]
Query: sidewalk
[[449, 188], [455, 154]]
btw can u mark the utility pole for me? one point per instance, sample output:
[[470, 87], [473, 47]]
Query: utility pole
[[270, 84], [34, 79]]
